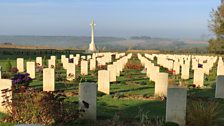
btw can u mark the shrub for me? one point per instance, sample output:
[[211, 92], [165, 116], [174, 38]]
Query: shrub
[[60, 77], [39, 69], [71, 60], [21, 80], [6, 75], [101, 67], [14, 70], [201, 113], [59, 66], [8, 66], [38, 107], [133, 65], [146, 120]]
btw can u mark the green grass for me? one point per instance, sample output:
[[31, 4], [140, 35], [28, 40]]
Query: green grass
[[130, 83]]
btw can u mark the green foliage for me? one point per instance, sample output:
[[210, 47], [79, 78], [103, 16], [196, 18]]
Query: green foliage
[[146, 120], [38, 107], [171, 124], [201, 113], [216, 25], [6, 75], [8, 66]]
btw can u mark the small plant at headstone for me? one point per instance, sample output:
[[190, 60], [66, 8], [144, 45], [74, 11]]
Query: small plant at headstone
[[8, 66], [118, 95], [71, 60], [146, 120], [21, 80], [133, 65], [59, 66], [39, 69], [44, 61], [123, 82], [59, 76], [6, 76], [204, 113], [14, 70]]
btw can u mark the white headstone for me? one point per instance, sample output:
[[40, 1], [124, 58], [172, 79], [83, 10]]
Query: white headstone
[[30, 68], [48, 79], [39, 61], [5, 84], [111, 68], [71, 71], [20, 64], [84, 67], [161, 84], [104, 81]]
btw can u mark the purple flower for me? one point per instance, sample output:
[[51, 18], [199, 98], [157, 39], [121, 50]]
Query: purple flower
[[71, 60], [21, 79]]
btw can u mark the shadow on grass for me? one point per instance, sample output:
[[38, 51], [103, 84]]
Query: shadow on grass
[[129, 109], [209, 93], [128, 90]]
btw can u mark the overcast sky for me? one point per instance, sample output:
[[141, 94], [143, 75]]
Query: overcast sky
[[156, 18]]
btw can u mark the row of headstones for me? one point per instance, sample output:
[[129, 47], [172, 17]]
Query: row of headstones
[[177, 96], [154, 74], [87, 94], [70, 67], [181, 65], [175, 105], [198, 78], [109, 75]]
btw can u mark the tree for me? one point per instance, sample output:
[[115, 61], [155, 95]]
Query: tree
[[216, 25]]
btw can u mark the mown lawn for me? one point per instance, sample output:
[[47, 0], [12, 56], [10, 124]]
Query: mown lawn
[[127, 94]]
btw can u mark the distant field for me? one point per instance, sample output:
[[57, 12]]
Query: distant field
[[102, 43]]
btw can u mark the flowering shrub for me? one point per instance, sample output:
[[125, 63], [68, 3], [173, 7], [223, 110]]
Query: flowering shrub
[[172, 72], [101, 67], [70, 76], [71, 60], [21, 79], [59, 66], [14, 70], [39, 69], [6, 76], [52, 66], [133, 65], [38, 107]]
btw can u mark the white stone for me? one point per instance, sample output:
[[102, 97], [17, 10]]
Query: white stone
[[39, 61], [48, 79], [104, 81], [111, 68], [20, 64], [198, 77], [185, 72], [92, 64], [161, 84], [84, 67], [5, 84], [71, 71], [30, 68], [51, 63]]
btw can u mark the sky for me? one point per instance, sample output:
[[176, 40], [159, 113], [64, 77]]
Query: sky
[[120, 18]]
